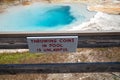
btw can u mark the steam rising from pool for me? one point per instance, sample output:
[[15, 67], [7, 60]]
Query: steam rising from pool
[[43, 17]]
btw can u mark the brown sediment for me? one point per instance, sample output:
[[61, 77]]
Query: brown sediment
[[1, 10], [44, 1], [26, 3], [109, 8]]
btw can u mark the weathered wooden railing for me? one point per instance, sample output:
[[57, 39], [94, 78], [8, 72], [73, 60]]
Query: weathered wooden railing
[[60, 67], [85, 39]]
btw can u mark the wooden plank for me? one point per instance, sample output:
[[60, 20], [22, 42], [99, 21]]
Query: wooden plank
[[57, 33], [60, 68], [83, 41], [99, 41]]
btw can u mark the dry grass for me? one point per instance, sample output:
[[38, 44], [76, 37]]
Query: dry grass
[[26, 57], [76, 76], [82, 55]]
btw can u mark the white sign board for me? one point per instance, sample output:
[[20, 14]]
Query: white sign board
[[52, 44]]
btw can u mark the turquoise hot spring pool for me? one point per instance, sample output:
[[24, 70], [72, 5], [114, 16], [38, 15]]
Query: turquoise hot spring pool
[[44, 17]]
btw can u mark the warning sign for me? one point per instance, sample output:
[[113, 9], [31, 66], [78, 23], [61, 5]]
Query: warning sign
[[52, 44]]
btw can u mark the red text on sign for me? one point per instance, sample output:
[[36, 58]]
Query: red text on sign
[[43, 41], [66, 40], [55, 49], [55, 45]]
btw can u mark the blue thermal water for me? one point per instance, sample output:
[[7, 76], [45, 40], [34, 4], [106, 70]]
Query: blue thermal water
[[37, 18]]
